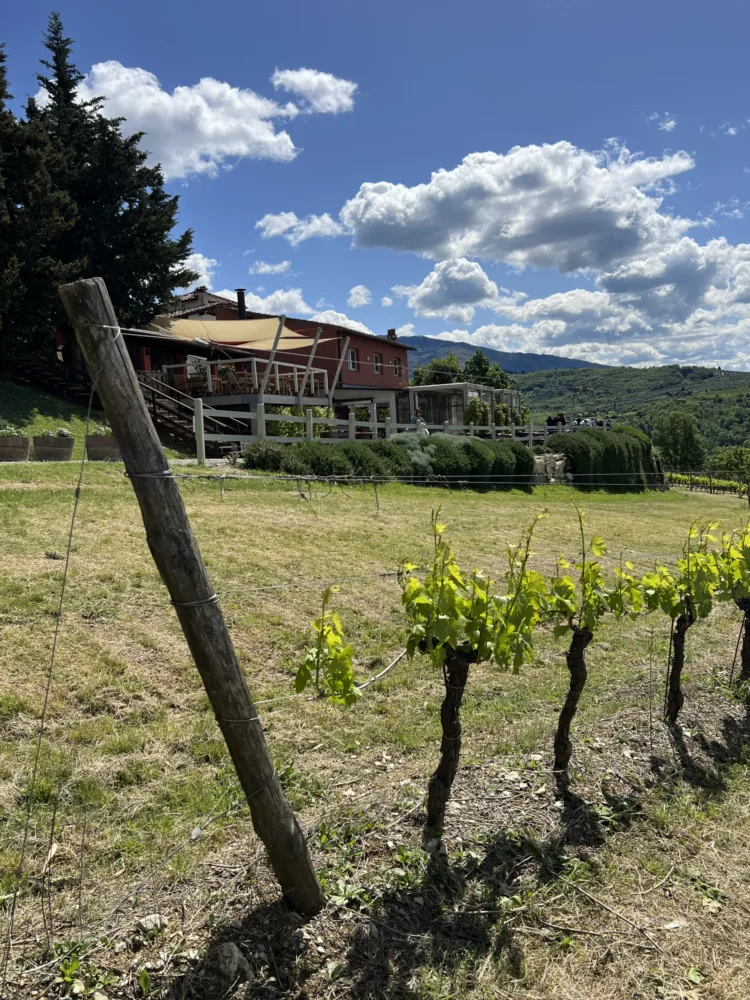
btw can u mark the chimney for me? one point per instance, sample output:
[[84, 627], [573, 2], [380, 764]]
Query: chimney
[[241, 307], [391, 335]]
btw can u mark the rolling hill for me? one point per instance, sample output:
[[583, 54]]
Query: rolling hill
[[427, 348], [719, 399]]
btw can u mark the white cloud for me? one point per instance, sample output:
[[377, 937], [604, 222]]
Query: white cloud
[[286, 301], [205, 266], [295, 230], [340, 319], [452, 290], [322, 93], [544, 206], [208, 125], [386, 301], [731, 130], [263, 267], [194, 129], [407, 330], [731, 208], [359, 295], [665, 121]]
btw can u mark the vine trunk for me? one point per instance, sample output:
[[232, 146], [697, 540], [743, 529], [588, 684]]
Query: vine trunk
[[744, 605], [576, 660], [675, 697], [455, 674]]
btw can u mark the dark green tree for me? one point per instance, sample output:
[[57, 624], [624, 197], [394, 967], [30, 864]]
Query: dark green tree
[[677, 437], [123, 230], [33, 215], [480, 370], [734, 460], [77, 199], [439, 371]]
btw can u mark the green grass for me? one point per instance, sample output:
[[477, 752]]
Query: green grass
[[132, 754], [32, 411]]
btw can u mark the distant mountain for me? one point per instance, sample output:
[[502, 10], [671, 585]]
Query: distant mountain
[[427, 348]]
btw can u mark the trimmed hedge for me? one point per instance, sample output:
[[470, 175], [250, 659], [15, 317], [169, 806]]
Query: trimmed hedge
[[619, 460], [479, 463]]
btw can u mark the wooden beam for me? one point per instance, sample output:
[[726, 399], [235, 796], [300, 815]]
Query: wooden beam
[[309, 364], [178, 559], [272, 355], [339, 366]]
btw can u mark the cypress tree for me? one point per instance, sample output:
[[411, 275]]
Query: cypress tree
[[125, 217], [33, 214]]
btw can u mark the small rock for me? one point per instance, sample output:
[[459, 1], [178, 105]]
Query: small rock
[[235, 925], [506, 794], [99, 996], [191, 955], [675, 925], [320, 949], [120, 946], [230, 963], [522, 787], [512, 776], [419, 900], [154, 923]]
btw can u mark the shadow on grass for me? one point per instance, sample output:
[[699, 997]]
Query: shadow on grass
[[451, 925]]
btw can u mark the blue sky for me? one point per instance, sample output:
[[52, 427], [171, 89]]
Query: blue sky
[[565, 177]]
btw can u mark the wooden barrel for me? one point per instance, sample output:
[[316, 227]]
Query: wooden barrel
[[53, 449], [102, 448], [14, 449]]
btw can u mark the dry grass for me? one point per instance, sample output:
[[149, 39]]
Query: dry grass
[[132, 762]]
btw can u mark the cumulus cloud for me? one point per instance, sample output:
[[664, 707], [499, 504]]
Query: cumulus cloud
[[407, 330], [295, 230], [286, 301], [359, 295], [202, 127], [204, 266], [263, 267], [452, 290], [340, 319], [321, 93], [386, 301], [553, 206]]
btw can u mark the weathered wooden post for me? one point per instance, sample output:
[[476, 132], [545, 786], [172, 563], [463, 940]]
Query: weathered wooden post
[[388, 428], [309, 427], [352, 425], [200, 440], [178, 559]]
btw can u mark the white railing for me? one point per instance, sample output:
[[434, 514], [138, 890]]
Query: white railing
[[221, 378], [258, 422]]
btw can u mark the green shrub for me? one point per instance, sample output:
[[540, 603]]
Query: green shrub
[[395, 457], [525, 466], [364, 461], [311, 458], [266, 455], [448, 455], [616, 460], [481, 457]]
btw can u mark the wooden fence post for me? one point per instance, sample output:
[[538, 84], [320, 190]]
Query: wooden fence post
[[178, 559], [471, 429], [446, 427], [352, 425], [200, 441], [493, 431], [531, 434], [388, 428], [260, 412], [309, 423]]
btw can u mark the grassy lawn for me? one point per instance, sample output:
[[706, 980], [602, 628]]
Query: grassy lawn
[[637, 888]]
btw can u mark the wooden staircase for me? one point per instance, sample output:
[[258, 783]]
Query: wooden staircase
[[171, 410]]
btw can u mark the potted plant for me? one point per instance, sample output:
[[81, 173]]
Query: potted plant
[[54, 447], [14, 447], [101, 446]]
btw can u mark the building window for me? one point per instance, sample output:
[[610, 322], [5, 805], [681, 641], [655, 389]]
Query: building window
[[377, 364], [397, 367], [353, 359]]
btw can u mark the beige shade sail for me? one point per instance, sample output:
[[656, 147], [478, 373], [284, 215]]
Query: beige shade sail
[[250, 334]]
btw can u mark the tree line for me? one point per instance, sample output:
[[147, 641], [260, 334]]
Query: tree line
[[78, 199]]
